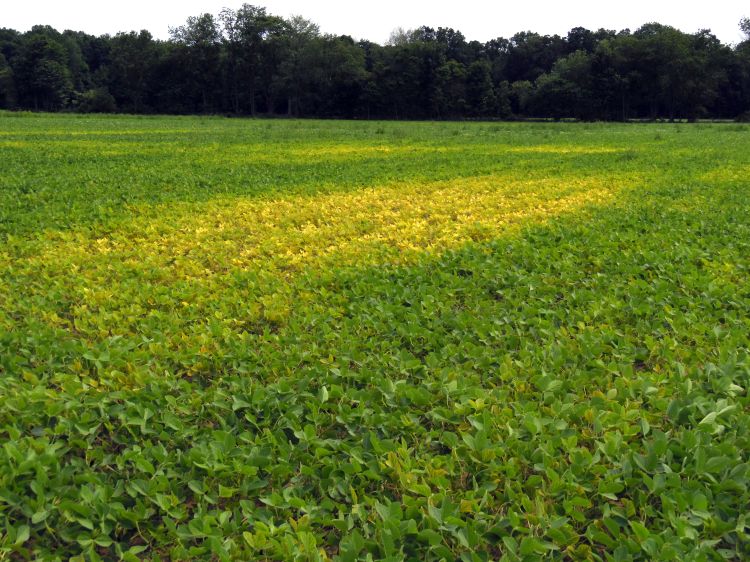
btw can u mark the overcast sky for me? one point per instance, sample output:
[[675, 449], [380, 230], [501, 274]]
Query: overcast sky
[[480, 20]]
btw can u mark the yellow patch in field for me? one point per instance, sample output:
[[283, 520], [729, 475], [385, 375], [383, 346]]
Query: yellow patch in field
[[101, 133], [348, 150], [15, 144], [234, 263], [343, 150], [559, 149], [727, 174], [368, 226]]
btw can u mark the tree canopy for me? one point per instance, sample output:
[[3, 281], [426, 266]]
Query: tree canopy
[[248, 62]]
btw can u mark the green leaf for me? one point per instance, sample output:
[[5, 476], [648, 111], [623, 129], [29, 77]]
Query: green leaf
[[640, 531], [23, 533], [430, 537]]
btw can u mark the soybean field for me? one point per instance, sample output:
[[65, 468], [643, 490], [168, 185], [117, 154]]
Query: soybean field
[[234, 339]]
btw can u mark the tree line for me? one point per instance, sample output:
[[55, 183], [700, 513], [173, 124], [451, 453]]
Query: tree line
[[250, 62]]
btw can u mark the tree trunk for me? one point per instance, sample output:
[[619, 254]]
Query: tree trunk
[[252, 97], [235, 88]]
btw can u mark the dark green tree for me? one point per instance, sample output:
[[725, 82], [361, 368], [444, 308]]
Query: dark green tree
[[333, 77], [248, 61], [98, 100], [741, 73], [245, 31], [40, 69], [520, 95], [566, 90], [530, 55], [581, 39], [77, 66], [134, 59], [449, 95], [480, 92], [7, 85], [201, 37], [291, 77]]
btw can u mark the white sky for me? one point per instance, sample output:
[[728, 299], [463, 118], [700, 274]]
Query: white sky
[[476, 19]]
